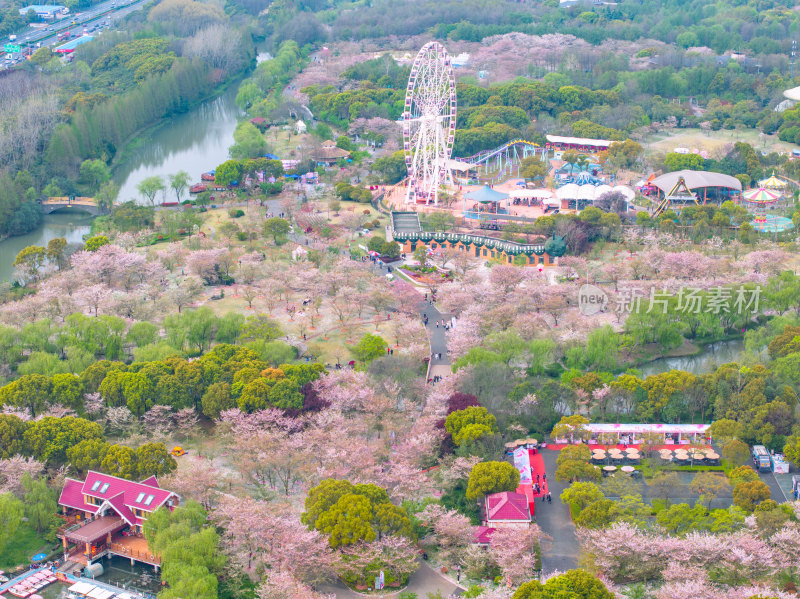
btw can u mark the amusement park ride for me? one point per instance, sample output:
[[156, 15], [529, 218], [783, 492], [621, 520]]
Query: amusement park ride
[[429, 124], [429, 127]]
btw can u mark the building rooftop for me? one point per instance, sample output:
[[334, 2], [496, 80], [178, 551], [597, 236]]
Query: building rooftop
[[507, 506]]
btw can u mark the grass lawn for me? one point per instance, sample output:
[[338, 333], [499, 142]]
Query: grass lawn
[[22, 547]]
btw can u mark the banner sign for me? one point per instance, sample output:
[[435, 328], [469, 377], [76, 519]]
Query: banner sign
[[522, 462]]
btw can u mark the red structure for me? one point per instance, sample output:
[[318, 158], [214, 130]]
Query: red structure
[[109, 513]]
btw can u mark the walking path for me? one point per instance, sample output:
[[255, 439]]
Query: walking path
[[423, 581], [561, 552]]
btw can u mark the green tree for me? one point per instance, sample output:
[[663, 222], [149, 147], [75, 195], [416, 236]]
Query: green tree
[[573, 470], [277, 228], [149, 188], [40, 503], [120, 460], [30, 391], [285, 394], [470, 424], [178, 183], [665, 485], [217, 399], [153, 459], [579, 495], [421, 254], [87, 455], [11, 513], [228, 172], [491, 477], [12, 431], [709, 485], [55, 251], [748, 495], [369, 347], [42, 56], [533, 168], [31, 259], [67, 391], [598, 514], [742, 474], [249, 142], [573, 584], [736, 452], [96, 242], [792, 450], [94, 173], [351, 513]]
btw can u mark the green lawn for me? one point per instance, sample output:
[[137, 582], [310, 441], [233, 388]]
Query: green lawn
[[25, 544]]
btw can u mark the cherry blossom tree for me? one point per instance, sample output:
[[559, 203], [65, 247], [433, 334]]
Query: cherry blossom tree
[[282, 585], [93, 298], [514, 551], [14, 469], [452, 532], [260, 538], [196, 478]]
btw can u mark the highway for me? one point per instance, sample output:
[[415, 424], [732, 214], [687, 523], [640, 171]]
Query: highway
[[47, 35]]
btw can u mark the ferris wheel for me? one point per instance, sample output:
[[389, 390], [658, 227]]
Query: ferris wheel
[[429, 124]]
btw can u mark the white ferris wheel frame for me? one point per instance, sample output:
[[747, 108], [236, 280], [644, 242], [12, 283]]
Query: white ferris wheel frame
[[429, 124]]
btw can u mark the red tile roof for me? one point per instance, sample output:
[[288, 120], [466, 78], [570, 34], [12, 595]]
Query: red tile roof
[[151, 482], [72, 496], [507, 506], [118, 503], [482, 535], [123, 496]]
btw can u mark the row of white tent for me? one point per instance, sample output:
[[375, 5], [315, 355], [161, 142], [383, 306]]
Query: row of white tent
[[572, 191], [95, 592]]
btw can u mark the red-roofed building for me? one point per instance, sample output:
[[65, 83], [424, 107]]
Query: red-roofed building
[[506, 509], [105, 506], [482, 535]]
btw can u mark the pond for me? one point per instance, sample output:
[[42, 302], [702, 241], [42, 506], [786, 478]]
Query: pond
[[71, 225], [119, 572], [713, 355]]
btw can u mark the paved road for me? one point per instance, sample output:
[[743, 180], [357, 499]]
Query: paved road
[[423, 581], [560, 553], [436, 335]]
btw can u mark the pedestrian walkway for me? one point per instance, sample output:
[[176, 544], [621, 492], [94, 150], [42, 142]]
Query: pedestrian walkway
[[561, 552]]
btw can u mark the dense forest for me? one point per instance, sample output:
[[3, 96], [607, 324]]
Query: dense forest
[[758, 28]]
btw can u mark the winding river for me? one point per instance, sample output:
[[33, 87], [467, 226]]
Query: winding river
[[196, 141]]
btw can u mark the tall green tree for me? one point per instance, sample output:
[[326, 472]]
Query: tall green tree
[[149, 188], [11, 513], [40, 503], [178, 183]]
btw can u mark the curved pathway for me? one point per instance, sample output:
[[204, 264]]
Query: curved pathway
[[423, 581]]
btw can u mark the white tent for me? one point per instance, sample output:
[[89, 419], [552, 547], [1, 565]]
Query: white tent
[[586, 192], [626, 191], [601, 189], [82, 588], [568, 192], [100, 593]]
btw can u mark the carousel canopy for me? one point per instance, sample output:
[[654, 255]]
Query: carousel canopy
[[773, 182], [760, 196], [486, 195]]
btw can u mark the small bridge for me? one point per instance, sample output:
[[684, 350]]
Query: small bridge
[[89, 205]]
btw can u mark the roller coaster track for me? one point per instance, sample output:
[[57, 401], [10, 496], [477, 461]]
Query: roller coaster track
[[482, 157]]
